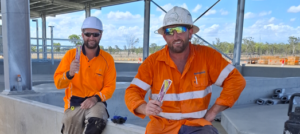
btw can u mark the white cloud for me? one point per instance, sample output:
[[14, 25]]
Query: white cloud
[[271, 20], [293, 19], [249, 15], [210, 12], [224, 12], [166, 7], [96, 13], [265, 13], [122, 15], [212, 30], [65, 25], [197, 8], [169, 6], [184, 6], [294, 9], [270, 32]]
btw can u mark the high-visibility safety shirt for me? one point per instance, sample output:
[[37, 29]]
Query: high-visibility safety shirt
[[187, 99], [96, 77]]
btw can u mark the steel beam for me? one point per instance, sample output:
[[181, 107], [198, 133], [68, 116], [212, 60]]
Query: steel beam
[[66, 4], [34, 13], [87, 10], [238, 32], [37, 38], [52, 56], [50, 8], [44, 32], [146, 29], [61, 12], [39, 6], [16, 44], [111, 3]]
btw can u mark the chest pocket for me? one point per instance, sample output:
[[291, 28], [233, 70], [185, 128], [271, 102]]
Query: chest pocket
[[200, 80], [99, 75]]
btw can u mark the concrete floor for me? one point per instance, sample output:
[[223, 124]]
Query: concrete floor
[[255, 119]]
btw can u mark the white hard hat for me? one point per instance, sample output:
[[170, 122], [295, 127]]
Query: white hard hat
[[178, 15], [92, 22]]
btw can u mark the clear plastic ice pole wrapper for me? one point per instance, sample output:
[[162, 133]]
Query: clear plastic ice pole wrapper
[[78, 51], [164, 88]]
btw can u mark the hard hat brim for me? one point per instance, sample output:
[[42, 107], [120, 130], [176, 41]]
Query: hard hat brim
[[161, 29]]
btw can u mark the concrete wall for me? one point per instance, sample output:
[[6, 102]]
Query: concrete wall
[[258, 87], [48, 68], [22, 116], [276, 72], [270, 71]]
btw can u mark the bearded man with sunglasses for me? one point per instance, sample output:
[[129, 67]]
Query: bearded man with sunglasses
[[190, 70], [89, 82]]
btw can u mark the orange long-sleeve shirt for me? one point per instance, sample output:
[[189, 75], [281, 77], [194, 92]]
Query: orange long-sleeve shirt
[[187, 99], [96, 77]]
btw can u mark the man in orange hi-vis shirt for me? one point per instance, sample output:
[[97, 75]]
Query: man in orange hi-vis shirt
[[89, 79], [192, 69]]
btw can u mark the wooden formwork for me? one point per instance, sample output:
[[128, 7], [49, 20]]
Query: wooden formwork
[[262, 61], [293, 60], [277, 61], [269, 57]]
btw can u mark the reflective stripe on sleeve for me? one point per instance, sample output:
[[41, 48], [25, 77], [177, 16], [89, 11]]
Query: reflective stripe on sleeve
[[223, 75], [143, 85]]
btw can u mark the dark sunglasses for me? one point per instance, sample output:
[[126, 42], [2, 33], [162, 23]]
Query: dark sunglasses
[[179, 29], [94, 34]]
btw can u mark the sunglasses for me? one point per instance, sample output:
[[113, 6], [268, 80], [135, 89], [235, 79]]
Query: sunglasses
[[179, 29], [94, 34]]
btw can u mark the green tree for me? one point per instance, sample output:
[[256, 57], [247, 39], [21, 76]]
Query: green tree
[[152, 48], [250, 45], [101, 47], [110, 49], [117, 48], [293, 43], [131, 41], [56, 47], [33, 48], [75, 39], [139, 50]]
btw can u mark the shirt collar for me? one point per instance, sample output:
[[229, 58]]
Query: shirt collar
[[97, 52]]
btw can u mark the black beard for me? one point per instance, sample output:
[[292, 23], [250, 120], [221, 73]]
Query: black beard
[[185, 44], [91, 47]]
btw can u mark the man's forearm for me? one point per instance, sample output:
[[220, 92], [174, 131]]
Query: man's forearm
[[213, 111], [141, 109]]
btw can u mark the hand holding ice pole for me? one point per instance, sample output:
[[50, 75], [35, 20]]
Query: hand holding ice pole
[[164, 88], [78, 51]]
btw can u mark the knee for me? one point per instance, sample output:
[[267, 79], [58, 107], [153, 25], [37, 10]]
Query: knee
[[95, 125]]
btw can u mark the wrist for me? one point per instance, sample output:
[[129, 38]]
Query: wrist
[[94, 99], [71, 73]]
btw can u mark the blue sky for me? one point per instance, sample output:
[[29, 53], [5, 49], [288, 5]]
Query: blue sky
[[265, 20]]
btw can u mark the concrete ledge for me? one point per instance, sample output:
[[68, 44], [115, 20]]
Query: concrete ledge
[[23, 116], [255, 119]]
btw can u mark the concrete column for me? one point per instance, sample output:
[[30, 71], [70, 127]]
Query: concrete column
[[87, 10], [238, 32], [16, 44], [146, 29], [44, 36]]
